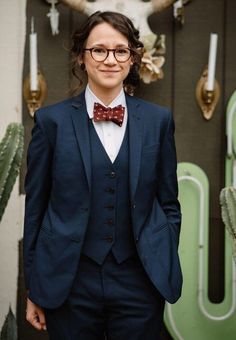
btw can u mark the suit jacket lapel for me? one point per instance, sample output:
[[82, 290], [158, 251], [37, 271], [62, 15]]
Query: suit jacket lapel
[[80, 121], [135, 142]]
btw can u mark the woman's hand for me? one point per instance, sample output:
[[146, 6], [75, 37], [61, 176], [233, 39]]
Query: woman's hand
[[35, 315]]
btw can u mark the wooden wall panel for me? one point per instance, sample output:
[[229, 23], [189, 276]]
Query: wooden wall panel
[[200, 141], [230, 50], [161, 91], [52, 58]]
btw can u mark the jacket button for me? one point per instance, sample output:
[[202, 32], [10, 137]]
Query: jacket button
[[110, 190], [112, 174], [75, 239], [109, 238], [110, 207], [84, 209], [109, 221]]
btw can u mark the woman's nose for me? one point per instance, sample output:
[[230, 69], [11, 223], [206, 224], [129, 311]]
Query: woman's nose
[[110, 58]]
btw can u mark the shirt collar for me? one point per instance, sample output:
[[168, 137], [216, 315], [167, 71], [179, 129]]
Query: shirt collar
[[91, 98]]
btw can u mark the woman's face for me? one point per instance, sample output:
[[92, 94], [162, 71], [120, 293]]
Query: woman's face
[[107, 75]]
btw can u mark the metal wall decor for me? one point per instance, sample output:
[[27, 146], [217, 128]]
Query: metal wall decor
[[34, 87], [207, 89]]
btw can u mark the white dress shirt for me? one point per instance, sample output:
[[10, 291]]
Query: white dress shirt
[[110, 134]]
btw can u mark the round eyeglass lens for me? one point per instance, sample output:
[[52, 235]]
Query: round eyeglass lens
[[100, 54]]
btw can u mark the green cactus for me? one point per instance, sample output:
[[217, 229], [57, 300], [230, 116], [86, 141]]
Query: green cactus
[[228, 213], [9, 329], [11, 151]]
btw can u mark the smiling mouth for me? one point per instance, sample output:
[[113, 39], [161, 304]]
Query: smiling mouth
[[109, 71]]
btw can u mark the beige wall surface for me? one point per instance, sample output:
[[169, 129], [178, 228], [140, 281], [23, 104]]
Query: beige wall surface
[[12, 41]]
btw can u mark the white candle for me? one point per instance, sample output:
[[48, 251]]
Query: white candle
[[212, 62], [33, 59]]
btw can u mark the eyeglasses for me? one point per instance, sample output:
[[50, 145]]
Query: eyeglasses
[[100, 53]]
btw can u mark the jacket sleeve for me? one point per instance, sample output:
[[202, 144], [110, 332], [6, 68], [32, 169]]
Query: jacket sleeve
[[37, 189], [167, 192]]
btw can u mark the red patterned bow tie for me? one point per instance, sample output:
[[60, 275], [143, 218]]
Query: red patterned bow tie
[[115, 114]]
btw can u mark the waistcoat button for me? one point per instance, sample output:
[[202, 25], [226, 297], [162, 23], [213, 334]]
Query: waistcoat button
[[109, 238], [112, 174], [110, 190], [109, 207], [109, 221]]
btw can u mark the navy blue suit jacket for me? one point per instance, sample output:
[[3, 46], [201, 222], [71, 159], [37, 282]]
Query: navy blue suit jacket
[[58, 187]]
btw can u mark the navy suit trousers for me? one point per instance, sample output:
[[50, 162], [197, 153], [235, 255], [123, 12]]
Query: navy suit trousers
[[113, 302]]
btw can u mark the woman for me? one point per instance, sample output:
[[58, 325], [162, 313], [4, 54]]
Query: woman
[[102, 218]]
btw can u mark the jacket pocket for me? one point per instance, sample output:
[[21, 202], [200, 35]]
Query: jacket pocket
[[157, 229]]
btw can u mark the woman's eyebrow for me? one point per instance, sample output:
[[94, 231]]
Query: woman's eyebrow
[[105, 45]]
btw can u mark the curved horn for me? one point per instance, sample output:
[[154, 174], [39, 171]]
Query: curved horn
[[78, 5], [160, 5]]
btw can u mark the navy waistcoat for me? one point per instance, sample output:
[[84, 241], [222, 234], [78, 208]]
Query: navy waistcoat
[[109, 227]]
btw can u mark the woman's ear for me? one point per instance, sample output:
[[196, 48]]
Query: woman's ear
[[81, 63], [80, 59]]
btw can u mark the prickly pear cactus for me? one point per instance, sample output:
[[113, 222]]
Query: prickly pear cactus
[[228, 212], [11, 151]]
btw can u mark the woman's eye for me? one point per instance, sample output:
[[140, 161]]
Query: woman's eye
[[99, 50], [122, 51]]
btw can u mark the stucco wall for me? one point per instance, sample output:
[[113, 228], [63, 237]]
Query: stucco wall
[[12, 40]]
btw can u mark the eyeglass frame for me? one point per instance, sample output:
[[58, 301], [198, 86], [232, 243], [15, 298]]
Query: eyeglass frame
[[108, 51]]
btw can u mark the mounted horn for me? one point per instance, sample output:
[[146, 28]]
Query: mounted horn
[[78, 5], [160, 5]]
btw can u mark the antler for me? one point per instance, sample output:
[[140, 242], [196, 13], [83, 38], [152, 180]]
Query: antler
[[78, 5], [160, 5]]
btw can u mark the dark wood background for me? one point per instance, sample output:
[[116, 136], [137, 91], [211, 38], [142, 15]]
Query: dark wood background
[[197, 140]]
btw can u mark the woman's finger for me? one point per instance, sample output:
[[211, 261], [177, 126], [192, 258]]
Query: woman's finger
[[41, 316], [33, 318]]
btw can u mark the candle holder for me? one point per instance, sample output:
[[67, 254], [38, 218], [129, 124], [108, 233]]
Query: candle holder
[[35, 99], [207, 100]]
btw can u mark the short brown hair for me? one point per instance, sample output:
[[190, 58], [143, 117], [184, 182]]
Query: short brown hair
[[122, 24]]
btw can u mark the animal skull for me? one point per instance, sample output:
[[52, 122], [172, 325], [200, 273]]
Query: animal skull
[[138, 11]]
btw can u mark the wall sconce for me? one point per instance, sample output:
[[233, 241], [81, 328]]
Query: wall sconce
[[34, 87], [208, 89], [35, 98]]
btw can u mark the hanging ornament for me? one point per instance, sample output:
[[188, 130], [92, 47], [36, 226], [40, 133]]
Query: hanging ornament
[[54, 17]]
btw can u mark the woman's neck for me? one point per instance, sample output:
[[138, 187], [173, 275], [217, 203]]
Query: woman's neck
[[105, 95]]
